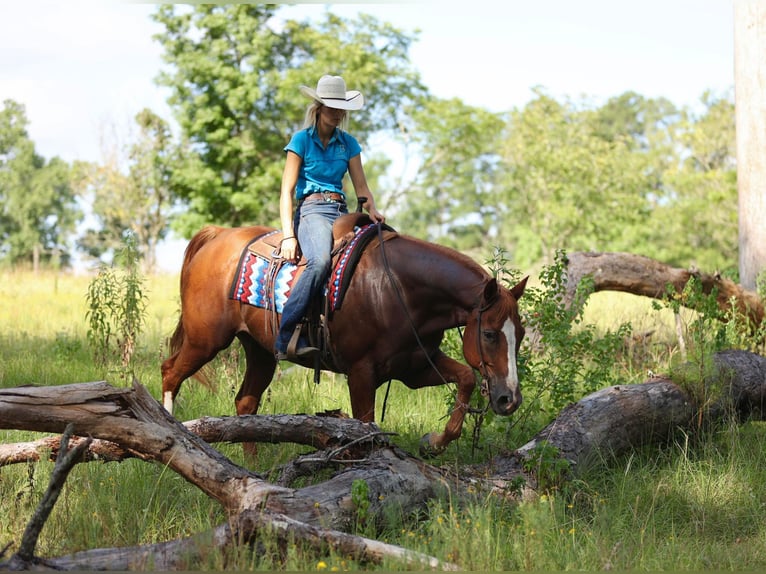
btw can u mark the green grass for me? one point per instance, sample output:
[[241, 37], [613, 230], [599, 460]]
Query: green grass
[[696, 504]]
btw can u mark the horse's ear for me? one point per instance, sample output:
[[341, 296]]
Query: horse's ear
[[518, 290], [491, 291]]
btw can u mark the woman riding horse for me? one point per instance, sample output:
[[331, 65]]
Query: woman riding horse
[[317, 159]]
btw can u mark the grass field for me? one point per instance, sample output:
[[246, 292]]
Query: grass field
[[695, 505]]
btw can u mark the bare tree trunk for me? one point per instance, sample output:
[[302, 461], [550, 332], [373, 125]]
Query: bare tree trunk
[[750, 92], [641, 275]]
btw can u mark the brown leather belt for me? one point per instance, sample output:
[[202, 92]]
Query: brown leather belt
[[330, 196]]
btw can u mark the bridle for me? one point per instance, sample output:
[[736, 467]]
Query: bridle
[[482, 368]]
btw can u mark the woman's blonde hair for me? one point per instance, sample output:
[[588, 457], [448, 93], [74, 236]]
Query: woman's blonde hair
[[312, 112]]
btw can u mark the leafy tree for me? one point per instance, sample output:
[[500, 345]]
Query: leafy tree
[[130, 192], [450, 199], [698, 216], [39, 211], [634, 175], [565, 185], [639, 122], [234, 76]]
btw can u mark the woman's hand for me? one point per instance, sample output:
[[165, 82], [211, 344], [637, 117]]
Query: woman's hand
[[376, 215], [288, 249]]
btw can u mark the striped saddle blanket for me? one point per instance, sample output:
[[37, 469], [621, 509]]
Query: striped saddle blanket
[[265, 281]]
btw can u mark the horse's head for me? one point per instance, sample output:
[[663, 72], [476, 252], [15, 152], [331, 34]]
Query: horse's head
[[491, 344]]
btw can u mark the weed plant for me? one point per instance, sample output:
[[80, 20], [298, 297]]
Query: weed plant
[[693, 504]]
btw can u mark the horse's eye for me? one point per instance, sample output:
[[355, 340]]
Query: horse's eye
[[489, 336]]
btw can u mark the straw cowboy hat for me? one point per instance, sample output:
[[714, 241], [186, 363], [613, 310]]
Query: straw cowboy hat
[[331, 91]]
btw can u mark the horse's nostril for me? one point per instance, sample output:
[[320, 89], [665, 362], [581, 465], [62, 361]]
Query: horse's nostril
[[506, 404]]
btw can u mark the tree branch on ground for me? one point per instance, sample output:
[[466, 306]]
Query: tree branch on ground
[[641, 275]]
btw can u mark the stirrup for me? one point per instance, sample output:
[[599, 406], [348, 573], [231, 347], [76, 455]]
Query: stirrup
[[293, 352]]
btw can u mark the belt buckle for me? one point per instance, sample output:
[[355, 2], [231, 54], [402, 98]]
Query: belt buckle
[[326, 195]]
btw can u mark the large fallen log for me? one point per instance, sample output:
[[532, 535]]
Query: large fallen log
[[613, 421], [132, 418], [609, 421], [641, 275]]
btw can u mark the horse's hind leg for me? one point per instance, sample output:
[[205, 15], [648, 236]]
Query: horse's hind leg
[[259, 370], [181, 365]]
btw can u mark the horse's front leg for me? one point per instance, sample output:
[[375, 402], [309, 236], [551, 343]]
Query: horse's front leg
[[361, 388], [452, 371]]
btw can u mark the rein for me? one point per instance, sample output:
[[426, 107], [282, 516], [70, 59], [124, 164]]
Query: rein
[[482, 365]]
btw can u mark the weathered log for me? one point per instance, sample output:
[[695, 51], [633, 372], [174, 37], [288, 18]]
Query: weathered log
[[47, 449], [614, 420], [134, 419], [181, 554], [641, 275], [320, 432]]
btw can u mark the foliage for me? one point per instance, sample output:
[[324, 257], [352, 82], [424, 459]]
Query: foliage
[[130, 192], [570, 188], [564, 358], [547, 466], [234, 72], [360, 498], [697, 208], [116, 310], [449, 199], [709, 330], [39, 213]]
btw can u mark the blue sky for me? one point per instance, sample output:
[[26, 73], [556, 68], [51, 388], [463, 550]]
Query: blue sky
[[81, 65]]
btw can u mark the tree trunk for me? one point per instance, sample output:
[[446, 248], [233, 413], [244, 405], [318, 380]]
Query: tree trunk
[[610, 421], [644, 276], [750, 95]]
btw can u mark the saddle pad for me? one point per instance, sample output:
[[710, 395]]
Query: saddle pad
[[344, 268], [251, 283]]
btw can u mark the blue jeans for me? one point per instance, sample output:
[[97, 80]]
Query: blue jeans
[[313, 227]]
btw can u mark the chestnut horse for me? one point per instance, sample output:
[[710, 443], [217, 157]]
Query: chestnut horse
[[402, 297]]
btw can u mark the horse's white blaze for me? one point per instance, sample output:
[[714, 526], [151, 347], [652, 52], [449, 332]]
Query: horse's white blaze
[[167, 401], [512, 380]]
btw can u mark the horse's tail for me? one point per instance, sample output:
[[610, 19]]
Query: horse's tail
[[203, 236]]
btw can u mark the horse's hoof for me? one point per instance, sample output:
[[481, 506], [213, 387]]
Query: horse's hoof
[[427, 447]]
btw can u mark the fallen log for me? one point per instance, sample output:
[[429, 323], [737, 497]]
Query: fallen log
[[614, 420], [641, 275], [320, 432]]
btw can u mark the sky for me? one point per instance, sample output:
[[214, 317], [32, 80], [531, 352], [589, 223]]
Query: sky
[[80, 65]]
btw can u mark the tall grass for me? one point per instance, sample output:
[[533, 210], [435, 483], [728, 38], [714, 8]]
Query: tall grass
[[695, 504]]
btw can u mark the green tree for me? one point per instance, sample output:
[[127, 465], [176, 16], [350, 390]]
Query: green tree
[[39, 210], [565, 185], [450, 199], [698, 215], [130, 192], [234, 72]]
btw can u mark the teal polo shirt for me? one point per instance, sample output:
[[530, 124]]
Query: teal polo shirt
[[322, 169]]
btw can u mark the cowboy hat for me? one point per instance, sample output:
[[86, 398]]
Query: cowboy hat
[[331, 91]]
